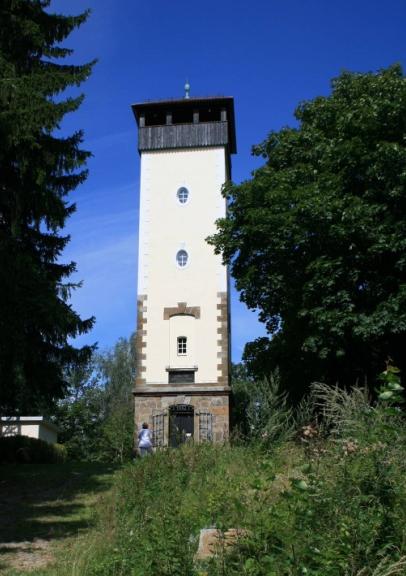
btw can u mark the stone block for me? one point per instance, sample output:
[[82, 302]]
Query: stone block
[[212, 540], [219, 401], [220, 410]]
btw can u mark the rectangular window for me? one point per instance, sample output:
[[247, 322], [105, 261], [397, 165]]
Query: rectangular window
[[182, 345], [181, 377]]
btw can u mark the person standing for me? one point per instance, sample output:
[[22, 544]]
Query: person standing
[[145, 440]]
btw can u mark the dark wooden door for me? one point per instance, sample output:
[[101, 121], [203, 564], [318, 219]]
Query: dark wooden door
[[181, 424]]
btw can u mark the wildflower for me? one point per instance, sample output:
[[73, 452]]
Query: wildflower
[[350, 447], [308, 432]]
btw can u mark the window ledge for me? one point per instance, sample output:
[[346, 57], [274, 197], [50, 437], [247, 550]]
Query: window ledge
[[181, 369]]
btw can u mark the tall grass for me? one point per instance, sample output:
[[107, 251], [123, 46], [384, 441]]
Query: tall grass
[[344, 510], [150, 523], [329, 503]]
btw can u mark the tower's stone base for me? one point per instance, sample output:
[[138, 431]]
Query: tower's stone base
[[210, 414]]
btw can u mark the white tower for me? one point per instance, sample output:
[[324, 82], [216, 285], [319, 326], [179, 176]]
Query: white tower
[[182, 389]]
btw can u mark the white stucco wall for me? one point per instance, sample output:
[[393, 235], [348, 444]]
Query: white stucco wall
[[182, 326], [20, 429], [167, 226], [31, 430], [26, 426]]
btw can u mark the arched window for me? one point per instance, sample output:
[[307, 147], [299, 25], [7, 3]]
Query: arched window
[[182, 353], [182, 258], [182, 345], [182, 195]]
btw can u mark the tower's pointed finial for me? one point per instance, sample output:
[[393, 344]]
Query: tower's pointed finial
[[187, 89]]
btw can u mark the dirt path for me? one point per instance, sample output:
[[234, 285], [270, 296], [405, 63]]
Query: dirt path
[[26, 556], [45, 507]]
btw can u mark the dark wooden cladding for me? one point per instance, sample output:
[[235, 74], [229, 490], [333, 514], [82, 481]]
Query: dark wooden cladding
[[183, 136], [186, 123]]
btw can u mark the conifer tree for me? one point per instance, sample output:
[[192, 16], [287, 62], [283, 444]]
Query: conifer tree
[[38, 169]]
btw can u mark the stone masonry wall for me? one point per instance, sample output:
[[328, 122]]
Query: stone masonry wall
[[140, 341], [222, 339], [218, 405]]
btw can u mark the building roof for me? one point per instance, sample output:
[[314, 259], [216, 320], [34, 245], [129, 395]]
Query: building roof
[[195, 99]]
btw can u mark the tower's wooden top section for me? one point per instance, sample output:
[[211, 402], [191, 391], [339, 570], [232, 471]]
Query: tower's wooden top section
[[186, 123]]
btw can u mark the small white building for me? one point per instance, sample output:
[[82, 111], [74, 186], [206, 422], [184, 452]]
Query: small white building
[[32, 426]]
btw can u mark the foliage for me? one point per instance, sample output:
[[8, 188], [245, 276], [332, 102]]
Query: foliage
[[38, 169], [22, 449], [262, 409], [391, 391], [342, 412], [150, 523], [269, 416], [96, 419], [350, 413], [241, 386], [343, 510], [49, 504], [118, 371], [80, 416], [331, 503], [118, 433], [316, 238]]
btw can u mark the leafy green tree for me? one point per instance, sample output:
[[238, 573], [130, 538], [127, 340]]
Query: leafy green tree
[[118, 433], [96, 419], [80, 416], [38, 169], [118, 368], [316, 238]]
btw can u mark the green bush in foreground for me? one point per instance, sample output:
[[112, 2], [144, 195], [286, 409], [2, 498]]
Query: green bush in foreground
[[162, 502], [332, 503], [344, 509], [22, 449]]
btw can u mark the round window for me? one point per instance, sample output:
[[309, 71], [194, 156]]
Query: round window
[[182, 195], [182, 258]]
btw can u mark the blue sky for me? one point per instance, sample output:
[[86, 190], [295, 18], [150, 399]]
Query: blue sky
[[268, 54]]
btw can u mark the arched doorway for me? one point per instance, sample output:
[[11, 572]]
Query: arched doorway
[[181, 424]]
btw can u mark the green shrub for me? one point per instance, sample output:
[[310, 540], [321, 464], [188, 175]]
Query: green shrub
[[22, 449], [265, 416], [150, 526], [344, 509], [331, 503]]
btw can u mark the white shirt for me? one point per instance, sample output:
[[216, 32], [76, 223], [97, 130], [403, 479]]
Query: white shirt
[[144, 438]]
